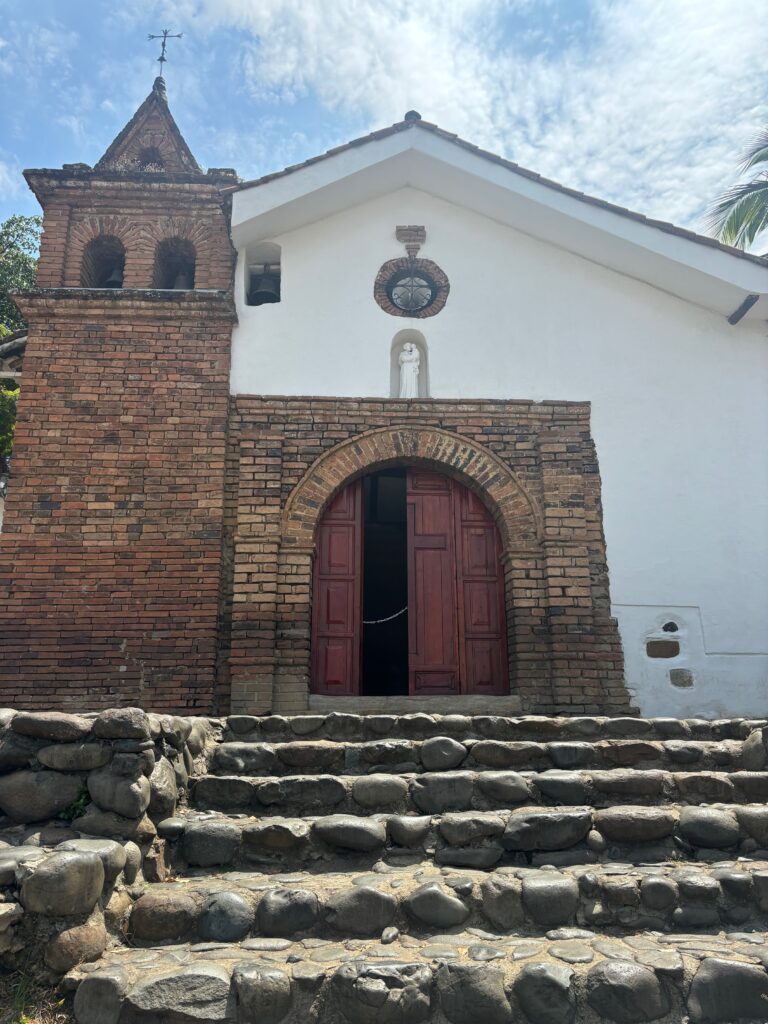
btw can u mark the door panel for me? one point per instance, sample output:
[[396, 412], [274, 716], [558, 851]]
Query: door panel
[[433, 654], [480, 581], [337, 596]]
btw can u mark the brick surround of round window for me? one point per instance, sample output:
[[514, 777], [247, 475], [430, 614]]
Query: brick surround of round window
[[393, 268]]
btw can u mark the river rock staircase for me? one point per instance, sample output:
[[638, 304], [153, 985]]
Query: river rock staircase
[[383, 869]]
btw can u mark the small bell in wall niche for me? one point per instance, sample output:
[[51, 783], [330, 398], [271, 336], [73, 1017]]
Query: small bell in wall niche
[[265, 286], [409, 361]]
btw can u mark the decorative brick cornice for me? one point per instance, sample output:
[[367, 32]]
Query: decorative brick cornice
[[144, 303]]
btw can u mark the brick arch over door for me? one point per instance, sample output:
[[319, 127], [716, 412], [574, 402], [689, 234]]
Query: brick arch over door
[[517, 515]]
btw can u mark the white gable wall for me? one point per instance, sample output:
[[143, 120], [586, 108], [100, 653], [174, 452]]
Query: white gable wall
[[679, 411]]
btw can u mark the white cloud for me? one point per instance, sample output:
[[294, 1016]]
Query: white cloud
[[11, 181], [644, 102]]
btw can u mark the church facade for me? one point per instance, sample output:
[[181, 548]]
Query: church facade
[[404, 427]]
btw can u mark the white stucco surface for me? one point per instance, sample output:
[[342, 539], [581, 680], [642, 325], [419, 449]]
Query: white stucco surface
[[679, 406]]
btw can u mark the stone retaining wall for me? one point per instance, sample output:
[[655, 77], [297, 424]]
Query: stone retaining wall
[[81, 795]]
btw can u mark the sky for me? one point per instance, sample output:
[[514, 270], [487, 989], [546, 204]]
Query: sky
[[645, 103]]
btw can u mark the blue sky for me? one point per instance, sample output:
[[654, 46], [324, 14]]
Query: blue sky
[[647, 103]]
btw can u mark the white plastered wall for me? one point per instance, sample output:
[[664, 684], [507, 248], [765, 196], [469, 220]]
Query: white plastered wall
[[679, 411]]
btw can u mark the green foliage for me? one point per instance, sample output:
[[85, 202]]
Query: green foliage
[[19, 242], [26, 998], [77, 808], [9, 393], [740, 214]]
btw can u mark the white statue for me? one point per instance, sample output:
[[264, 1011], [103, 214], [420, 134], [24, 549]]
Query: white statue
[[409, 371]]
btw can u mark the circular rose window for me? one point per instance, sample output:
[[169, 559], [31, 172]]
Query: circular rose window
[[411, 287], [410, 291]]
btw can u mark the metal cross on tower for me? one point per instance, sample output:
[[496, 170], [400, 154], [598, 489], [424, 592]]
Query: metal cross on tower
[[165, 35]]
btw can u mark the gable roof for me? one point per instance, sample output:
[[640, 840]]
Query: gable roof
[[419, 154], [418, 124], [151, 126]]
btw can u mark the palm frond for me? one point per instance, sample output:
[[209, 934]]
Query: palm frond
[[757, 151], [741, 213]]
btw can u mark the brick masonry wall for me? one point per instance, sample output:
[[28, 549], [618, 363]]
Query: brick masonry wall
[[112, 541], [533, 463], [139, 209]]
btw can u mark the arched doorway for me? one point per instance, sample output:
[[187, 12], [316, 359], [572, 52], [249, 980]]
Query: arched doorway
[[408, 590]]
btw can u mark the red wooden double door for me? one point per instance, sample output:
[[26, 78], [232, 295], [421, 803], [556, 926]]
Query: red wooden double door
[[456, 610]]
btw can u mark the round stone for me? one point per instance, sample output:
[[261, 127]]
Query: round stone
[[725, 990], [546, 830], [208, 843], [35, 796], [550, 898], [432, 905], [442, 753], [80, 944], [263, 993], [708, 827], [469, 993], [391, 993], [287, 911], [64, 884], [658, 892], [347, 832], [625, 992], [225, 917], [162, 916], [379, 790], [545, 994], [361, 910]]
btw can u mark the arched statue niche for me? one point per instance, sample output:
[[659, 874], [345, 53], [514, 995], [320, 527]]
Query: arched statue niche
[[409, 365]]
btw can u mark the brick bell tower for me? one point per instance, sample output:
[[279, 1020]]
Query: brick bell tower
[[111, 549]]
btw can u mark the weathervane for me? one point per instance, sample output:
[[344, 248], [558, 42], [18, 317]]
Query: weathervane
[[165, 36]]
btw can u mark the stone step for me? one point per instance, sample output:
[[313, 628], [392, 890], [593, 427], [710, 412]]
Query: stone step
[[479, 839], [444, 753], [420, 899], [342, 727], [434, 792], [458, 977]]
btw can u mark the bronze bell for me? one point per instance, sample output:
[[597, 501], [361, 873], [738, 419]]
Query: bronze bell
[[115, 279], [182, 281], [265, 287]]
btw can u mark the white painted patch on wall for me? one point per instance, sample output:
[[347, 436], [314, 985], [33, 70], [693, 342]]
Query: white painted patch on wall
[[693, 680]]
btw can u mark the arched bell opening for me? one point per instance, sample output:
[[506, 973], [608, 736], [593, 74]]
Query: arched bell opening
[[408, 589], [103, 263], [174, 265]]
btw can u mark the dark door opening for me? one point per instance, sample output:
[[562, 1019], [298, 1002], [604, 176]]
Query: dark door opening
[[385, 585], [408, 590]]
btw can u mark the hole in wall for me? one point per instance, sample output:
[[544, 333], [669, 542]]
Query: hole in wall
[[662, 648], [150, 159], [681, 677], [670, 627]]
